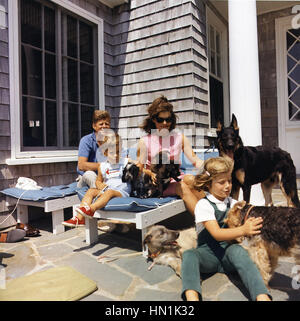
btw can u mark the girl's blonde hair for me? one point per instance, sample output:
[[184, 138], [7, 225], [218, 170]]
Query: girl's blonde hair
[[212, 168]]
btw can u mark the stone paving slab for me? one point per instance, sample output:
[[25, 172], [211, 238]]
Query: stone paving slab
[[156, 295], [139, 267]]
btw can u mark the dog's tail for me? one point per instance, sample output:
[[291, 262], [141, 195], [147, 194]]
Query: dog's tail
[[288, 179]]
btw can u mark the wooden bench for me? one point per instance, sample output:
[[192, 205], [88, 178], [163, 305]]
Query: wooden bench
[[55, 206], [142, 220]]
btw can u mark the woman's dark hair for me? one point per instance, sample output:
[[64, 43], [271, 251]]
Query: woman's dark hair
[[158, 105]]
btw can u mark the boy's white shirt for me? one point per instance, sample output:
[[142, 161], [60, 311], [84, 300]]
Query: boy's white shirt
[[205, 212]]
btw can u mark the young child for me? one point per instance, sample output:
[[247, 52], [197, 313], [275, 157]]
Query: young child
[[109, 179], [213, 253]]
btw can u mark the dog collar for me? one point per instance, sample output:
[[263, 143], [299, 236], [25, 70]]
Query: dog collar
[[248, 212], [154, 255]]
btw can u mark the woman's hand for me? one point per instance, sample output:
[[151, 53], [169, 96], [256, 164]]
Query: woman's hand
[[153, 178], [252, 226]]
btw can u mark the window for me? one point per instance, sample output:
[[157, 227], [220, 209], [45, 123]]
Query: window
[[58, 83], [56, 68], [215, 77]]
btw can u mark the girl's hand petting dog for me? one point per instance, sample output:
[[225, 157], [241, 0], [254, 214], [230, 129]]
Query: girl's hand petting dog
[[252, 226], [153, 178]]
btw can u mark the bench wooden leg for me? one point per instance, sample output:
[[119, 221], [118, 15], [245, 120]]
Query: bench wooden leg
[[144, 249], [91, 231], [22, 214], [57, 219]]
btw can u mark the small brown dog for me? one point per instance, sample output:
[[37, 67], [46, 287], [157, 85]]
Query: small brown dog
[[166, 246], [280, 234]]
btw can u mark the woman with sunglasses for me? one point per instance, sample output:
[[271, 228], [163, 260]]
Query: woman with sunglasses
[[162, 136]]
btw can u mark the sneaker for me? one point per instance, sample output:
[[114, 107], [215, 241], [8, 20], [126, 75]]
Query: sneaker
[[74, 222], [85, 211]]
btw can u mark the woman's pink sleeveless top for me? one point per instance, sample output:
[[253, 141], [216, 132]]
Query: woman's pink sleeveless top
[[155, 144]]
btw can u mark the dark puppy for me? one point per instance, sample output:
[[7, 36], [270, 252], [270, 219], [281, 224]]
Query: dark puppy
[[141, 184], [252, 165], [165, 169], [166, 246], [280, 234]]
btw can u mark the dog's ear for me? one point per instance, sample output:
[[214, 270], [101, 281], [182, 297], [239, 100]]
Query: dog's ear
[[135, 172], [234, 123], [147, 239], [240, 204]]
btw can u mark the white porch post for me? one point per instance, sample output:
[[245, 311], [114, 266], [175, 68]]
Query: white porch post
[[244, 76]]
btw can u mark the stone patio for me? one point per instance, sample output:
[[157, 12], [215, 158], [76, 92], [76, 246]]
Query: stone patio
[[127, 277]]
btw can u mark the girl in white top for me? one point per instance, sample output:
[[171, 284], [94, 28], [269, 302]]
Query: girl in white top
[[109, 180], [214, 253]]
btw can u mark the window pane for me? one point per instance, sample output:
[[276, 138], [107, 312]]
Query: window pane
[[32, 122], [218, 45], [51, 124], [32, 80], [87, 83], [71, 131], [291, 86], [86, 42], [72, 37], [31, 23], [212, 38], [49, 29], [295, 74], [86, 120], [295, 98], [290, 39], [216, 101], [212, 62], [295, 50], [294, 112], [219, 73], [72, 80], [290, 63], [50, 76]]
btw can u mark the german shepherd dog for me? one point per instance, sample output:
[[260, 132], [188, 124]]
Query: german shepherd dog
[[280, 234], [166, 246], [252, 165], [141, 183]]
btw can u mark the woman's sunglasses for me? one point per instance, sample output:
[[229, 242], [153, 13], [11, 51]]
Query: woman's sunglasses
[[161, 119]]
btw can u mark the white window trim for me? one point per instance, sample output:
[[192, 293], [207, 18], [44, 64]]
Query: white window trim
[[212, 19], [34, 157]]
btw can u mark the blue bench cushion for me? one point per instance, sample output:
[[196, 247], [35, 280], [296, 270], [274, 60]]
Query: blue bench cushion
[[131, 204], [43, 194]]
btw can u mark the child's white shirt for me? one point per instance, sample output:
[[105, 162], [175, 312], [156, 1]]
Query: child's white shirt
[[205, 212]]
